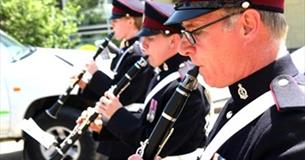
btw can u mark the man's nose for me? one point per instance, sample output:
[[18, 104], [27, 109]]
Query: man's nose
[[185, 48]]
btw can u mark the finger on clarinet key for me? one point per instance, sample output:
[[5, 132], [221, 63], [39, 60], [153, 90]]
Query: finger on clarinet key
[[83, 116]]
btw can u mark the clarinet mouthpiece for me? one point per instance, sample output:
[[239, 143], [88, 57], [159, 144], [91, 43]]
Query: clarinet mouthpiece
[[194, 72]]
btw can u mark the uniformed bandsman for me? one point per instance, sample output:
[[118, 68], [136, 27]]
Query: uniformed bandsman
[[126, 20], [241, 44], [161, 45]]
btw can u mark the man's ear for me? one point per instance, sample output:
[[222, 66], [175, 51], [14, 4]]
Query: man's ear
[[131, 21], [250, 21], [175, 40]]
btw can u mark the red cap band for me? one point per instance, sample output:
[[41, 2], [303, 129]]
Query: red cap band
[[154, 24], [117, 10]]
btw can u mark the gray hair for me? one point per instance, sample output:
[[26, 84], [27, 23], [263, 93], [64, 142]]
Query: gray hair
[[276, 22]]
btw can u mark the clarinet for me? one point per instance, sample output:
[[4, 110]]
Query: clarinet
[[53, 111], [152, 146], [80, 129], [114, 49]]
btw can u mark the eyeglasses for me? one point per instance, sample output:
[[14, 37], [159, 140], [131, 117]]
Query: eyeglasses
[[190, 34]]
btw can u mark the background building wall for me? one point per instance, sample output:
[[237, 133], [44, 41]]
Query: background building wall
[[295, 14]]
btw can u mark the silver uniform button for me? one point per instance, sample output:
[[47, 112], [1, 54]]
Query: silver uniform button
[[229, 114], [283, 82]]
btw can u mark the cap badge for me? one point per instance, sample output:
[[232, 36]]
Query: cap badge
[[245, 5], [167, 32], [165, 67], [242, 92]]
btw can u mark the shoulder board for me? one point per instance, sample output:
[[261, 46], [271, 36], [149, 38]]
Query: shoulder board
[[288, 94]]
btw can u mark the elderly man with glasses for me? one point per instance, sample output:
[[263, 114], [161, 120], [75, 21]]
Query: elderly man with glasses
[[241, 44]]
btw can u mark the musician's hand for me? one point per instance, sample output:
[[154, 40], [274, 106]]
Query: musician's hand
[[138, 157], [96, 125], [82, 84], [108, 105], [82, 117], [91, 67]]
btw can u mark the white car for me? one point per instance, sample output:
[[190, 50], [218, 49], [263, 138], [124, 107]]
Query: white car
[[298, 58], [32, 78]]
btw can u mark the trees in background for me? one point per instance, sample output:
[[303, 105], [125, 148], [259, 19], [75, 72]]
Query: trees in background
[[40, 22], [93, 10]]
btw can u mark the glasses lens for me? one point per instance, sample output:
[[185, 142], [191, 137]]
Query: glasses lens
[[189, 37]]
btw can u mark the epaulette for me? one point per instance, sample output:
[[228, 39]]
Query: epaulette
[[288, 95]]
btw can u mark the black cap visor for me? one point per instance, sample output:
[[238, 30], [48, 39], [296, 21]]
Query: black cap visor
[[145, 32], [181, 15], [116, 16]]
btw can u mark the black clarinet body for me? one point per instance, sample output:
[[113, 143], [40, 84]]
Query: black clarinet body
[[103, 45], [114, 49], [55, 108], [80, 129], [164, 127]]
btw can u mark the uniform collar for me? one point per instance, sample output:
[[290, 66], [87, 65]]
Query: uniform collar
[[249, 88], [171, 65], [130, 42]]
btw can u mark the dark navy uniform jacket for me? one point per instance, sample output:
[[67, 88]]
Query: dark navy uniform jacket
[[274, 135], [100, 82], [189, 128], [134, 93]]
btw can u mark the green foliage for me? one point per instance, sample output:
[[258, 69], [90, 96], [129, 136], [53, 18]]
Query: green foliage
[[87, 4], [94, 16], [93, 10], [40, 22]]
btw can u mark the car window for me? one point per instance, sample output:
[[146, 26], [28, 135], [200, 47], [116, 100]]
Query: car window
[[16, 50], [4, 54]]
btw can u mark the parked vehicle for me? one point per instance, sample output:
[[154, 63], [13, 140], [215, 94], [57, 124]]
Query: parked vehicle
[[298, 57], [32, 78]]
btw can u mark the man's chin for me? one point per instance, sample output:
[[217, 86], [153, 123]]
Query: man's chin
[[151, 62]]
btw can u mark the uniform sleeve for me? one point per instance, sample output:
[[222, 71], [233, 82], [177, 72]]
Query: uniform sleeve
[[100, 83], [188, 130], [131, 130], [97, 86], [104, 135], [138, 86], [126, 127], [137, 89], [283, 139]]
